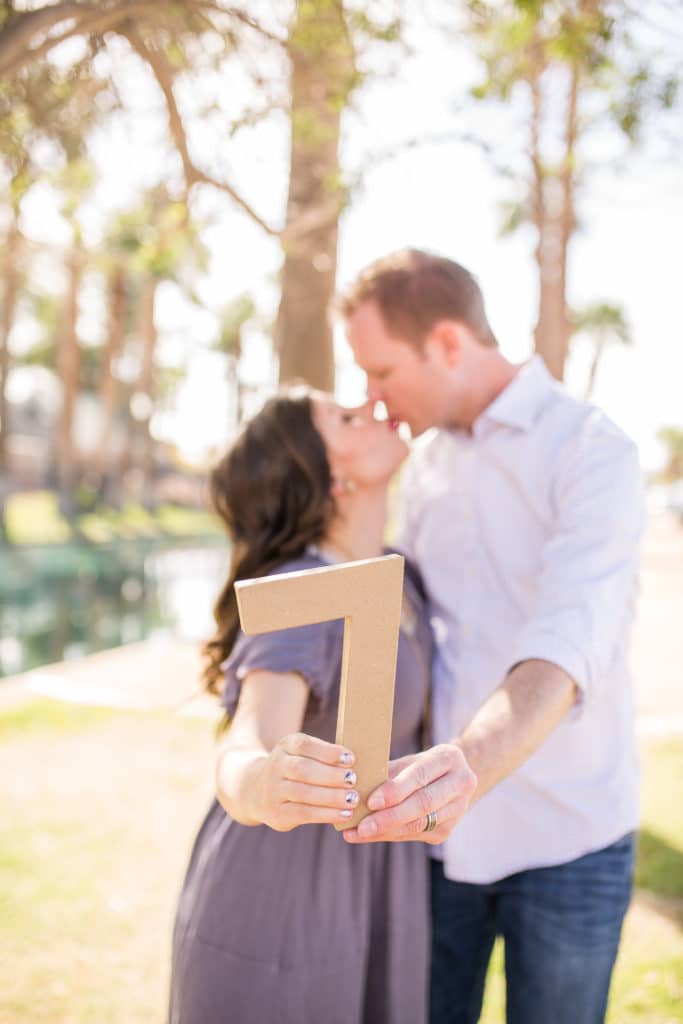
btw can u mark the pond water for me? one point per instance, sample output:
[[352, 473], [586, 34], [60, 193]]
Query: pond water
[[63, 602]]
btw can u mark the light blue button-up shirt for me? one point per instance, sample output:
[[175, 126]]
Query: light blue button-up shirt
[[527, 532]]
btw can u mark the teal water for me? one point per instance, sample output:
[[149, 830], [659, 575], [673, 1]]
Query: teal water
[[61, 602]]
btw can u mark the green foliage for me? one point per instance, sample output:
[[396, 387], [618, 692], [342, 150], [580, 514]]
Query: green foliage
[[233, 318], [514, 215], [604, 321], [158, 238], [672, 439], [46, 107], [34, 518]]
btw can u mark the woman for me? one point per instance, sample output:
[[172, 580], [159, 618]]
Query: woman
[[277, 922]]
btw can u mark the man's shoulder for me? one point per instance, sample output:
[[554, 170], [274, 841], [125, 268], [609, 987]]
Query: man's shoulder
[[577, 423]]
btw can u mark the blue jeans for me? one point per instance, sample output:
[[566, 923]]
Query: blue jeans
[[561, 928]]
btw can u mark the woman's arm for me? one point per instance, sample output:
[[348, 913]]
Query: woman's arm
[[268, 772]]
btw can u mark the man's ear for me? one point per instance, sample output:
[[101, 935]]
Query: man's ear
[[448, 336]]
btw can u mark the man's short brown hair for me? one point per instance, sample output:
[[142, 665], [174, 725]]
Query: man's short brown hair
[[414, 290]]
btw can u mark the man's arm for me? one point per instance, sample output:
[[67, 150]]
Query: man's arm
[[515, 721], [507, 729]]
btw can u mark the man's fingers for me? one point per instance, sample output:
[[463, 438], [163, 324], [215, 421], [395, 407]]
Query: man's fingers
[[371, 830], [448, 796], [298, 744], [415, 774]]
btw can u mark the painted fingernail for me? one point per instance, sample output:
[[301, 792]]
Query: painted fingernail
[[350, 778], [352, 799], [346, 757], [345, 814]]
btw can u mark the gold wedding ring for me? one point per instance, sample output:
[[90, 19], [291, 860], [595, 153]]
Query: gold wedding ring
[[431, 822]]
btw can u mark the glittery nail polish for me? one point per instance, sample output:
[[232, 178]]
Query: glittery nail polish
[[346, 758], [350, 778], [351, 799]]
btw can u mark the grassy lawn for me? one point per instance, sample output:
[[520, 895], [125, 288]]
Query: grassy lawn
[[99, 810], [33, 517]]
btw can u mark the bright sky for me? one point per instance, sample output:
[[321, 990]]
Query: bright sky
[[442, 197]]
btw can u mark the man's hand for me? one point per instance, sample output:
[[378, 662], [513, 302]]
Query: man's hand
[[437, 780]]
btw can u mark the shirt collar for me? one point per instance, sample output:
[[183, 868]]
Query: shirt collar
[[519, 404]]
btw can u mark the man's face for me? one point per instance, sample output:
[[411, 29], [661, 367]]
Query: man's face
[[408, 380]]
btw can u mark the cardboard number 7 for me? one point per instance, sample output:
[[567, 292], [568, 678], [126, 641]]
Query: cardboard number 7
[[367, 595]]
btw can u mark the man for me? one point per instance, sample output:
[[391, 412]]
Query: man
[[524, 513]]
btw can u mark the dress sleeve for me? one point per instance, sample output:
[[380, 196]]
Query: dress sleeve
[[314, 652]]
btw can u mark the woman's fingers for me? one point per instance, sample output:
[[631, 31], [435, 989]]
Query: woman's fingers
[[319, 796], [310, 781], [292, 815], [298, 744], [305, 769]]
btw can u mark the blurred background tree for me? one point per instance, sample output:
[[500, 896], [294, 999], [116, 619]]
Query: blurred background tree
[[604, 324], [672, 439], [563, 70], [87, 308]]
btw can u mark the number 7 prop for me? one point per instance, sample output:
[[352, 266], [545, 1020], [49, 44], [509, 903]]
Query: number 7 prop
[[367, 595]]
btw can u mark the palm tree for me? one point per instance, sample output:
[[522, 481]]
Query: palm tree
[[162, 244], [233, 319], [74, 181], [672, 439], [605, 324]]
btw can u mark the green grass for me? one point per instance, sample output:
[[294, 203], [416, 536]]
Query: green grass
[[34, 518], [648, 981], [99, 810], [49, 716], [660, 860]]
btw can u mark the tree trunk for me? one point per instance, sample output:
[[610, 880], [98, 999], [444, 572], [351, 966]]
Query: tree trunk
[[322, 62], [597, 356], [69, 369], [148, 333], [554, 217], [9, 304], [108, 385], [548, 335]]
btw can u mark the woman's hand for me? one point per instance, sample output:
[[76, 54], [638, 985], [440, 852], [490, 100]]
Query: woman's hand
[[304, 780], [437, 782]]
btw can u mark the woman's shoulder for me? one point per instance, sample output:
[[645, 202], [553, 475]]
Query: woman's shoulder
[[306, 560]]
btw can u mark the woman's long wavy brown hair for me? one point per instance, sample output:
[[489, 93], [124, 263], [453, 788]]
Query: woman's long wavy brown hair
[[273, 492]]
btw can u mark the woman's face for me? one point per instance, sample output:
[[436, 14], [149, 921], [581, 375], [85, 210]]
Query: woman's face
[[360, 449]]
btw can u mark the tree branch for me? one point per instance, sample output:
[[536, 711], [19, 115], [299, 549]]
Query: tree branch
[[89, 21], [21, 29], [193, 174]]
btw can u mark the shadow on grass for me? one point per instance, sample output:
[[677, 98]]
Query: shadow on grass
[[659, 872]]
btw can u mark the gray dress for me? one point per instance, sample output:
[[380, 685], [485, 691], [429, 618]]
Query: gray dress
[[299, 927]]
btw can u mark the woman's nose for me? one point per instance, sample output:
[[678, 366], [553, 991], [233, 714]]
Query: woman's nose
[[374, 394]]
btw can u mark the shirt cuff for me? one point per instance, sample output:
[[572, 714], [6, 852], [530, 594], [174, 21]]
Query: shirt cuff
[[545, 645]]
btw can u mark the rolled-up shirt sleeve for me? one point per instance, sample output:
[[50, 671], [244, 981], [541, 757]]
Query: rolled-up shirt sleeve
[[587, 584]]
